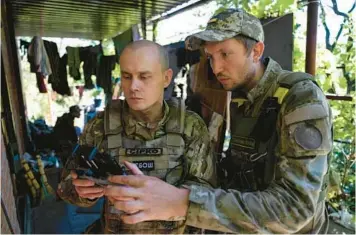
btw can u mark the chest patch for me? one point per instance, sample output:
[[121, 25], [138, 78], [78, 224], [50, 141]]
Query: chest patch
[[144, 151], [145, 165], [242, 141]]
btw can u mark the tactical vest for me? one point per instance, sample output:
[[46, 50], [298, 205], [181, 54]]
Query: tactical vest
[[161, 157], [250, 161]]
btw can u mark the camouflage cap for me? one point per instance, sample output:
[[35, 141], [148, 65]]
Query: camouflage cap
[[225, 25]]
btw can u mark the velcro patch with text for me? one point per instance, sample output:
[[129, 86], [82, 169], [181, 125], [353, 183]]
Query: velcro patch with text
[[145, 165], [144, 151], [243, 141]]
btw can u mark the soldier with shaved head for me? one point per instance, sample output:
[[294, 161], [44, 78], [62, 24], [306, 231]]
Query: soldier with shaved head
[[163, 141]]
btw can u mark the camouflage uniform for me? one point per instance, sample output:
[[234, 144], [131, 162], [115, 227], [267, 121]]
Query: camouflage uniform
[[293, 201], [197, 154]]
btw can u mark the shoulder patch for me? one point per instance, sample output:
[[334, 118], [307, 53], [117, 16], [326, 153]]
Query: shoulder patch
[[308, 136]]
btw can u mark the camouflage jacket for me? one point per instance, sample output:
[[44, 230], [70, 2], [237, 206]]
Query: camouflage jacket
[[292, 203], [198, 154]]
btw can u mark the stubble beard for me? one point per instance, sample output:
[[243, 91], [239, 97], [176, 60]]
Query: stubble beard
[[244, 85]]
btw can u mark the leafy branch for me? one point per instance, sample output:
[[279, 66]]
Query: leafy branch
[[335, 8], [331, 46]]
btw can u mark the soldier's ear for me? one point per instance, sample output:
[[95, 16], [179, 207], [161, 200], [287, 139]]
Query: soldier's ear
[[257, 51], [167, 77]]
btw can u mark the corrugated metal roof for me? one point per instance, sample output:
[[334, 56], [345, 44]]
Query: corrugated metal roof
[[83, 19]]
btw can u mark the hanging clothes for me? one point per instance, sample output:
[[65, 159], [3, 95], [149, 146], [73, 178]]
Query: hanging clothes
[[89, 57], [73, 62], [122, 40], [63, 87], [103, 73], [41, 83], [38, 58], [53, 56], [39, 62]]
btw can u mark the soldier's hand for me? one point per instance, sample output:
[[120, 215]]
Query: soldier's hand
[[133, 168], [154, 198], [86, 188]]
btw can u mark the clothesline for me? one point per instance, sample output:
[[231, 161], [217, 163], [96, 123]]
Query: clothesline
[[45, 61]]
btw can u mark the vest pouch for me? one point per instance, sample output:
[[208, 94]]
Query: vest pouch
[[247, 175], [250, 170]]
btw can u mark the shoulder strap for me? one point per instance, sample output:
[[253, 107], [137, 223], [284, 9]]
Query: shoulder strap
[[112, 120], [175, 123], [286, 80]]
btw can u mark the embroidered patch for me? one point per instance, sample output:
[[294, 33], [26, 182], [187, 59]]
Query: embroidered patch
[[308, 136], [145, 165], [144, 151]]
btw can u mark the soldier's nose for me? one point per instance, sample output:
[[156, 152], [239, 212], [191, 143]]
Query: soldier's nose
[[216, 66], [135, 85]]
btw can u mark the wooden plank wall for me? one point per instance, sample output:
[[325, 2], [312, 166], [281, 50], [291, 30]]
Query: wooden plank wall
[[9, 221]]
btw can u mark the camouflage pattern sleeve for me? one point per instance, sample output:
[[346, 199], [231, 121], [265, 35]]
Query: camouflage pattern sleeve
[[198, 152], [291, 204], [92, 135]]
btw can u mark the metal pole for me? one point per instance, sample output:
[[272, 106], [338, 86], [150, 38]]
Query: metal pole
[[154, 31], [312, 30], [143, 20]]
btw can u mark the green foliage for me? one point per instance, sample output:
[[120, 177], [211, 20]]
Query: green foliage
[[343, 168], [96, 92], [259, 8]]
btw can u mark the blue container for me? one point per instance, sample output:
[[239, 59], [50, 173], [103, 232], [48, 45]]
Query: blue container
[[97, 103]]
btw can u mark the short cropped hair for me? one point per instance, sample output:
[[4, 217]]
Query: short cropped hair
[[248, 43], [162, 52]]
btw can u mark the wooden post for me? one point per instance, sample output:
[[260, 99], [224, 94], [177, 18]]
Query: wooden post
[[12, 76], [312, 30]]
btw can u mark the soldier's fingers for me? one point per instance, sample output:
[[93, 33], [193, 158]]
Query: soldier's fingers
[[111, 199], [133, 168], [129, 206], [92, 195], [122, 192], [83, 182], [89, 190], [130, 180], [124, 198], [135, 218], [96, 195], [114, 199], [73, 174]]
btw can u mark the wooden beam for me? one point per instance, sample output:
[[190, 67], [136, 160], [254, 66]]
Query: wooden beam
[[339, 97], [12, 76]]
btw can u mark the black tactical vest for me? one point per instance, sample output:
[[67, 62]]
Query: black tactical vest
[[250, 161]]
